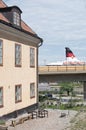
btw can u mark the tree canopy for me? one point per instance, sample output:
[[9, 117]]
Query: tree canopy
[[66, 86]]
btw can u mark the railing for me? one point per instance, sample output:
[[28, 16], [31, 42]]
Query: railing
[[62, 68]]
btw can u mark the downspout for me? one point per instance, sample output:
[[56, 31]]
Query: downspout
[[40, 44]]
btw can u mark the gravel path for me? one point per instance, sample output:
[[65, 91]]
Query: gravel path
[[53, 122]]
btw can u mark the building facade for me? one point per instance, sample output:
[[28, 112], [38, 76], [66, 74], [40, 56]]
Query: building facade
[[18, 62]]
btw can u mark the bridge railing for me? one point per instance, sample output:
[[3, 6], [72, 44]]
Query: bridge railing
[[62, 68]]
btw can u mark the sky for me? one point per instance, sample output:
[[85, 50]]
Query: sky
[[61, 23]]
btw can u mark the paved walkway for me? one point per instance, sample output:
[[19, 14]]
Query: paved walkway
[[53, 122]]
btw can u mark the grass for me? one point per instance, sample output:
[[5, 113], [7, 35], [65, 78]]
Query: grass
[[78, 122], [65, 107], [2, 122], [79, 125], [52, 106]]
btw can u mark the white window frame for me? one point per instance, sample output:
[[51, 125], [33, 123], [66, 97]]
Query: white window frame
[[16, 18]]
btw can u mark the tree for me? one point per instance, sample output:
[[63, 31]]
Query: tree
[[66, 86]]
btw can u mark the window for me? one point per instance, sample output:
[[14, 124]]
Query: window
[[18, 93], [32, 57], [1, 97], [1, 52], [18, 55], [16, 18], [32, 90]]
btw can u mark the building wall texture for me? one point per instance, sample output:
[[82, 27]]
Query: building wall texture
[[11, 76]]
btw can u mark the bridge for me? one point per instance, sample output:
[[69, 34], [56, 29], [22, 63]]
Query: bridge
[[63, 73]]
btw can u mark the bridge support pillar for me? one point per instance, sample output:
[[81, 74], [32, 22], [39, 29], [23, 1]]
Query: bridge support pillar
[[84, 86]]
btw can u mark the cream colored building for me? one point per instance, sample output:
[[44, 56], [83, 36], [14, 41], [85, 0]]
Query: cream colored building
[[18, 62]]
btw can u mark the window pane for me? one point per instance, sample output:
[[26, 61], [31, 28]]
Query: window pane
[[32, 90], [1, 52], [1, 96], [18, 61], [32, 57], [0, 60], [18, 96], [16, 18], [0, 44], [18, 55]]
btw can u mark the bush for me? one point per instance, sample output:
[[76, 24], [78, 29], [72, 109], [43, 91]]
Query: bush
[[42, 98]]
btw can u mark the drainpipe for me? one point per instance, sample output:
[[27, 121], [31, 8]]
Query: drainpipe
[[39, 45]]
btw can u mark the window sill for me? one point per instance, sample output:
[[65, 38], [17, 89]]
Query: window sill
[[18, 101], [32, 97]]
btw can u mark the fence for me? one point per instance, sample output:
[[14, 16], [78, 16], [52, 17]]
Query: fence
[[62, 68]]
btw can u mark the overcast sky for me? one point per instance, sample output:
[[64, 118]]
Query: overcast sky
[[61, 23]]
